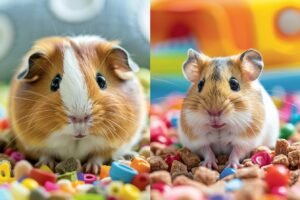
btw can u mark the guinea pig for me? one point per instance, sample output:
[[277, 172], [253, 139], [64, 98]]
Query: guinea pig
[[77, 97], [226, 109]]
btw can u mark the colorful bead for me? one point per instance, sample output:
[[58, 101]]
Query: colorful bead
[[113, 189], [261, 158], [276, 176], [41, 176], [287, 131], [161, 187], [226, 172], [141, 181], [233, 185], [281, 190], [89, 178], [80, 176], [104, 171], [49, 186], [76, 183], [89, 196], [46, 168], [17, 156], [22, 169], [129, 191], [140, 165], [29, 183], [72, 176], [5, 194], [121, 172], [19, 191], [5, 173], [183, 192]]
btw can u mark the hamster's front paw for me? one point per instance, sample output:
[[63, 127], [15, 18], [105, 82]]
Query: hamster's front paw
[[46, 160], [233, 162], [210, 162], [93, 165]]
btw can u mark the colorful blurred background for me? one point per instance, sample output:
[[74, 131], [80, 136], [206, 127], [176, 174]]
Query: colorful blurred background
[[222, 28]]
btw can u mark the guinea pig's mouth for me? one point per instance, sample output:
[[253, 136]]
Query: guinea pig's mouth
[[80, 136], [217, 126]]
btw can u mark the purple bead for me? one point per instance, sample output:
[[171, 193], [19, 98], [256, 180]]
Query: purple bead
[[17, 156], [80, 176]]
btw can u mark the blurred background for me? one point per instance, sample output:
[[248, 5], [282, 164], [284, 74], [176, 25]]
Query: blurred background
[[223, 28]]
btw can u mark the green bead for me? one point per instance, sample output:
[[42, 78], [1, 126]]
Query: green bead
[[287, 131], [89, 196], [72, 176]]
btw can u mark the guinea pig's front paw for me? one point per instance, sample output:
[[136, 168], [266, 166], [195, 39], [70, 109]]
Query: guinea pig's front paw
[[93, 165], [46, 160], [210, 163]]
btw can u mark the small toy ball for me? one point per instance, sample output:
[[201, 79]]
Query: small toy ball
[[281, 191], [226, 172], [287, 131], [276, 176], [233, 185], [141, 181], [129, 191], [140, 165], [22, 169], [183, 192], [122, 172], [261, 158]]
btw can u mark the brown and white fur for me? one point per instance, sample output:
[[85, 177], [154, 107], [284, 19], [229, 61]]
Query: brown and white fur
[[218, 120], [80, 119]]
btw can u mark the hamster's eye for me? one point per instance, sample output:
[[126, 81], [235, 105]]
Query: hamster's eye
[[101, 81], [234, 84], [55, 83], [200, 85]]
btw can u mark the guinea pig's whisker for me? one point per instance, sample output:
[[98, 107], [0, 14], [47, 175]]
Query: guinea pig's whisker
[[31, 100]]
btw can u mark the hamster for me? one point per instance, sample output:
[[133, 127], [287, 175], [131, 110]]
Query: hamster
[[77, 97], [226, 109]]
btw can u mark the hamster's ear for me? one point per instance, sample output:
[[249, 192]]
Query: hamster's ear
[[30, 70], [251, 63], [192, 66], [121, 62]]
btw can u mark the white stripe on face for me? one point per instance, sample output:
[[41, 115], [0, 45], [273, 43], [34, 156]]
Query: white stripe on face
[[73, 88]]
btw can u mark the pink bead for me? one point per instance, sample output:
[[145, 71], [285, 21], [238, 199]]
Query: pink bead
[[281, 191], [261, 158], [161, 187], [183, 192], [89, 178], [17, 156], [49, 186]]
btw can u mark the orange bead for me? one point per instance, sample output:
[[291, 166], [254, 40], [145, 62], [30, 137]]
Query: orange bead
[[140, 165], [104, 171], [76, 183], [68, 189]]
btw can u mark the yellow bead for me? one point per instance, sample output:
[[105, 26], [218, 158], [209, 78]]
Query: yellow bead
[[19, 191], [29, 183], [5, 172], [46, 168], [113, 189], [129, 191]]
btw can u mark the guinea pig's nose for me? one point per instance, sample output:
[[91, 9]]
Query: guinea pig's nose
[[214, 113], [80, 119]]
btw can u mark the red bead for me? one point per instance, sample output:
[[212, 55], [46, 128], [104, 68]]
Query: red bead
[[261, 158], [141, 181], [42, 176], [281, 191], [161, 187], [276, 176], [4, 124], [170, 158], [9, 151]]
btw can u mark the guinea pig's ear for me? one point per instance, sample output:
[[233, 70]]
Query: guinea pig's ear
[[122, 64], [192, 66], [251, 63], [30, 70]]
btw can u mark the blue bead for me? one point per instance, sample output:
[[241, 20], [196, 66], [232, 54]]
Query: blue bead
[[233, 185], [122, 172], [174, 121], [226, 172], [80, 176], [219, 197], [5, 194]]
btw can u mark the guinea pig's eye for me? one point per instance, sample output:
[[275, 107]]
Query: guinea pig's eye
[[234, 84], [200, 85], [101, 81], [55, 83]]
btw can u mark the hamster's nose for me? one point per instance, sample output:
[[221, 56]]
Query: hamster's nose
[[215, 113], [79, 119]]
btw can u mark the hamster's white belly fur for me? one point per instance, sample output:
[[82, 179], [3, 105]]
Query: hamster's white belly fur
[[222, 142]]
